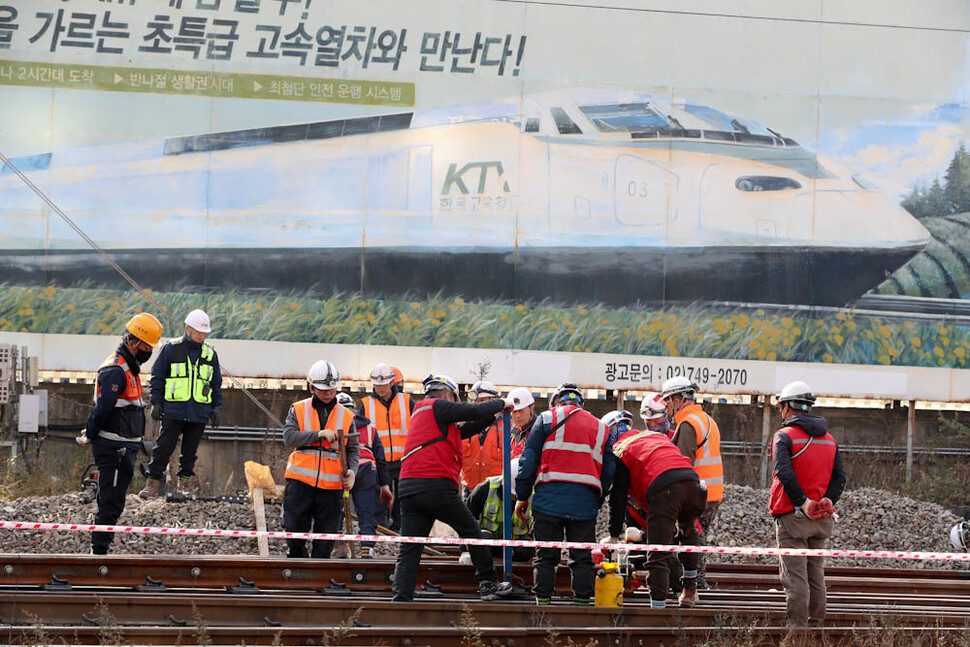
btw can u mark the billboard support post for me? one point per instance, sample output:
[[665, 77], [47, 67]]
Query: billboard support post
[[910, 436], [765, 437]]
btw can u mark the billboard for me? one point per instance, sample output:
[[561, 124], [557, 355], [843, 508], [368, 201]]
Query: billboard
[[786, 183]]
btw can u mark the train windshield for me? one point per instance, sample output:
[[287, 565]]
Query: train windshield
[[625, 117], [717, 120]]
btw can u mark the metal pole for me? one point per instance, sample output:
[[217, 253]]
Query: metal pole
[[765, 438], [910, 437], [507, 479]]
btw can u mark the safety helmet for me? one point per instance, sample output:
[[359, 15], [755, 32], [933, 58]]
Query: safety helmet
[[521, 398], [678, 385], [198, 320], [652, 407], [480, 388], [345, 399], [145, 327], [398, 375], [797, 395], [323, 375], [567, 393], [959, 535], [614, 418], [382, 374], [439, 382]]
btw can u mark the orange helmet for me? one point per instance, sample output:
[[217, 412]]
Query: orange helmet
[[398, 375], [146, 328]]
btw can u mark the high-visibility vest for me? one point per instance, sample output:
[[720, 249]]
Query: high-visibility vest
[[391, 423], [813, 458], [492, 518], [707, 457], [647, 455], [366, 444], [131, 398], [318, 464], [429, 454], [482, 460], [573, 453], [187, 381]]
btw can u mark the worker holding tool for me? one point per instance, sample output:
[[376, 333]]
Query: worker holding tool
[[186, 390], [319, 430], [660, 480], [808, 480], [117, 423], [567, 458], [389, 410], [482, 454], [699, 439], [430, 480], [372, 476], [485, 504]]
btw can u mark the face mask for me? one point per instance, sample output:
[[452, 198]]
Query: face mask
[[142, 356]]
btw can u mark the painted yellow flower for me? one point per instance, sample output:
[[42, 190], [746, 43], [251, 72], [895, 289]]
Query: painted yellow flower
[[915, 342], [827, 357]]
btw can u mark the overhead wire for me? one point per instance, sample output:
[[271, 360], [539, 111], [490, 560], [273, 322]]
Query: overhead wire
[[131, 281]]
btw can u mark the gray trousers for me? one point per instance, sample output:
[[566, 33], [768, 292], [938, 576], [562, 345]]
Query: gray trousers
[[803, 577]]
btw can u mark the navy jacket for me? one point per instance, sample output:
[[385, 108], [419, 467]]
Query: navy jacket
[[190, 411]]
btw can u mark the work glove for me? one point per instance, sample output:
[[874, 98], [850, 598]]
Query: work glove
[[609, 539], [509, 403], [633, 535], [465, 559], [808, 508], [156, 412], [825, 508], [349, 478], [215, 418], [82, 439], [328, 435], [387, 498], [522, 510]]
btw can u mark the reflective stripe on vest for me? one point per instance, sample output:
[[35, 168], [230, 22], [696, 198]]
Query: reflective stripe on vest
[[366, 444], [318, 464], [187, 381], [567, 460], [707, 457], [393, 432], [133, 395], [492, 518]]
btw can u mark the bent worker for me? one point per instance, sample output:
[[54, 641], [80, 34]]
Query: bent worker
[[485, 504], [659, 479], [186, 394], [568, 461], [430, 481], [117, 423], [808, 480], [312, 497]]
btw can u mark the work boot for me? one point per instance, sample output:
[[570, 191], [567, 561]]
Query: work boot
[[494, 590], [688, 598], [150, 491]]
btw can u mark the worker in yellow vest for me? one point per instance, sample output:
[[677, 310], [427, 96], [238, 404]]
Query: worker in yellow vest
[[315, 481], [389, 410], [699, 439]]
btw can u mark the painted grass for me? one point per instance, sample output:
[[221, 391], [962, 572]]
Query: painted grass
[[692, 331]]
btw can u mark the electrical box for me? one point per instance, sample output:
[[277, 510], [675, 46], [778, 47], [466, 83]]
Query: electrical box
[[28, 414]]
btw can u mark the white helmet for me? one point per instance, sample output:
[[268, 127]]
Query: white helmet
[[382, 374], [345, 399], [959, 535], [482, 388], [614, 418], [323, 375], [798, 395], [678, 385], [521, 398], [652, 407], [198, 320], [439, 382], [567, 393]]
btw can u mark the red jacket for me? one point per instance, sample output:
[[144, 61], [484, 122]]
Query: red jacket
[[440, 459], [647, 455]]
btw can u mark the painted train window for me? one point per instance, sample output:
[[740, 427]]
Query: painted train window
[[625, 117]]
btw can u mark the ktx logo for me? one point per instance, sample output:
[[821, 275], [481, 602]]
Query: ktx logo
[[457, 177]]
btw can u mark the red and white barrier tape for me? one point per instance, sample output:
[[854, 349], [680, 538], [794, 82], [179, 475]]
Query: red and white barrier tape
[[716, 550]]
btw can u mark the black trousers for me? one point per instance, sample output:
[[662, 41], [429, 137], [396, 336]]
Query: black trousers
[[676, 506], [116, 466], [310, 509], [418, 514], [392, 521], [549, 528], [168, 437]]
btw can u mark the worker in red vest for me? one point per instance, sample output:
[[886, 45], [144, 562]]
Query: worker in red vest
[[660, 479], [808, 480], [315, 480], [428, 490]]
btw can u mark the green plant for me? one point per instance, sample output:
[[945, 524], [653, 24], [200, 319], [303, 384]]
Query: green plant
[[471, 632], [342, 630], [109, 633]]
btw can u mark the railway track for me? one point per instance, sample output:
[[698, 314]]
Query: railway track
[[81, 599]]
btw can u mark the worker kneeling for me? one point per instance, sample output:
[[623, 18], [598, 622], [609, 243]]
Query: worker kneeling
[[651, 470], [485, 504]]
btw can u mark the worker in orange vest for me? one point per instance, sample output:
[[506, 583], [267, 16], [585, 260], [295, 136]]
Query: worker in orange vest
[[699, 439], [315, 482], [389, 410], [482, 453]]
